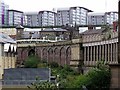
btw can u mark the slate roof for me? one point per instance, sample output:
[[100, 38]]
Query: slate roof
[[25, 75], [26, 34], [54, 30], [93, 31], [4, 38]]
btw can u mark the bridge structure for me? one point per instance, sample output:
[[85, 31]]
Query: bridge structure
[[80, 54], [89, 48], [63, 52], [86, 50]]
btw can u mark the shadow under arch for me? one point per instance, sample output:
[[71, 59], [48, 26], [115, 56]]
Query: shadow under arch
[[31, 52]]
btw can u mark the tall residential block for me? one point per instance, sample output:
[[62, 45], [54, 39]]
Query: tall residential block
[[102, 18], [15, 17], [3, 13], [72, 15], [24, 20], [47, 18], [32, 19]]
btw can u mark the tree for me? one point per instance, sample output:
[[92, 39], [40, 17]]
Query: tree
[[98, 78], [31, 62]]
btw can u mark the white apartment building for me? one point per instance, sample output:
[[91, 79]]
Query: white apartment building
[[15, 17], [3, 13], [72, 15], [32, 18], [47, 18], [24, 20], [102, 18]]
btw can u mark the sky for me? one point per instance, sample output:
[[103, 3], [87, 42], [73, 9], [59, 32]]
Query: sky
[[38, 5]]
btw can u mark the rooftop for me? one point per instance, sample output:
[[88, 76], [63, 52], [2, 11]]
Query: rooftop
[[93, 31], [4, 38]]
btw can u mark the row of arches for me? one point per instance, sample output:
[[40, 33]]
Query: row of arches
[[61, 55]]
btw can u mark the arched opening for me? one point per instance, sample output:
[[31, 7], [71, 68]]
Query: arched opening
[[68, 55], [31, 52], [50, 55], [44, 54], [62, 56], [56, 55]]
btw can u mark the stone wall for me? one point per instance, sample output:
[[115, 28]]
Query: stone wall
[[64, 53], [7, 60]]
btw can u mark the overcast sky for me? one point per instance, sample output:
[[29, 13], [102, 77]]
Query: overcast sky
[[38, 5]]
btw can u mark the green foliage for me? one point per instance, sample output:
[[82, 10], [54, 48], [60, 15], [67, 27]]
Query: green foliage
[[53, 65], [42, 65], [31, 62], [63, 71], [97, 78], [41, 85], [81, 80], [100, 76]]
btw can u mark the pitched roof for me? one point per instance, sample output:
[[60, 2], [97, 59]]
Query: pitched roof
[[4, 38], [93, 31], [54, 30]]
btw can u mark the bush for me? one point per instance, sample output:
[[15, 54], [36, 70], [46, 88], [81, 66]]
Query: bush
[[42, 85], [53, 65], [97, 78], [100, 77], [82, 80], [42, 65], [31, 62]]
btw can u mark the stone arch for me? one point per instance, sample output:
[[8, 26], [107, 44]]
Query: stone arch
[[44, 54], [19, 55], [31, 52], [50, 55], [62, 56], [56, 55], [38, 52], [24, 55], [68, 55]]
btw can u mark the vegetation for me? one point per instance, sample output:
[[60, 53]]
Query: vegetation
[[41, 85], [97, 78], [31, 62]]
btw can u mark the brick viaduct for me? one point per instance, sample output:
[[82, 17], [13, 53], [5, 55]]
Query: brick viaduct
[[61, 52]]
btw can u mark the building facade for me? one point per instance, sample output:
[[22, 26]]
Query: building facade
[[3, 13], [15, 17], [9, 31], [32, 19], [47, 18], [72, 15], [102, 18], [7, 53], [88, 48], [24, 20]]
